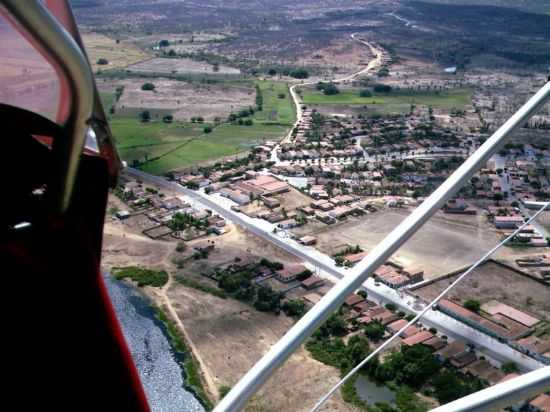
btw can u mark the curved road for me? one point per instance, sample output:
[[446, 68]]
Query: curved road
[[377, 61]]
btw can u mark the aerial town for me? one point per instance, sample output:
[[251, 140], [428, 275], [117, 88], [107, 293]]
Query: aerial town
[[266, 153]]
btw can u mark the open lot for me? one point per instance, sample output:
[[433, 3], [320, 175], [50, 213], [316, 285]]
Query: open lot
[[119, 55], [161, 66], [231, 337], [394, 102], [440, 247], [183, 100], [493, 281]]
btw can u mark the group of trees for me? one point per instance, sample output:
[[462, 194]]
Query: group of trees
[[328, 89], [143, 276], [295, 308], [148, 86], [181, 221], [259, 99], [240, 117], [382, 88], [240, 286], [299, 73]]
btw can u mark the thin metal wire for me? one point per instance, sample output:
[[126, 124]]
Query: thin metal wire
[[425, 310]]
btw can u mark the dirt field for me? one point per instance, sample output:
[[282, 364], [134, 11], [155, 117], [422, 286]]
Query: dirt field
[[231, 337], [494, 281], [185, 100], [119, 54], [344, 54], [174, 66], [442, 245]]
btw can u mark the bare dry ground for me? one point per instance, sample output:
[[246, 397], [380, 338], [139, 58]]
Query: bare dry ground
[[441, 246], [344, 54], [175, 66], [119, 55], [494, 281], [231, 337], [185, 100]]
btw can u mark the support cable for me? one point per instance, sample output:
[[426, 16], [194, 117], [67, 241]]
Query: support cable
[[426, 309]]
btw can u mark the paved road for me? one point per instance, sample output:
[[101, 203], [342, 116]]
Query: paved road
[[413, 155], [326, 267]]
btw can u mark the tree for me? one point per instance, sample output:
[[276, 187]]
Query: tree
[[472, 304], [330, 89], [449, 387], [391, 306], [145, 116], [168, 118], [509, 367], [382, 88], [272, 72], [294, 308], [299, 73], [374, 330], [267, 300], [357, 349], [335, 325], [148, 86], [224, 390], [164, 43], [363, 294], [207, 129], [102, 61], [365, 93]]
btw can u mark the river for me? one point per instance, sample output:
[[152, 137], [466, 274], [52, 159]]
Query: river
[[155, 360]]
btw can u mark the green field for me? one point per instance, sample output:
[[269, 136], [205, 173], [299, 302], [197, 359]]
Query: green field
[[161, 147], [225, 140], [275, 109], [398, 102]]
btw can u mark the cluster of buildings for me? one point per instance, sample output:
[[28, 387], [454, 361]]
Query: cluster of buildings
[[396, 276], [159, 210], [505, 323], [456, 354], [244, 189]]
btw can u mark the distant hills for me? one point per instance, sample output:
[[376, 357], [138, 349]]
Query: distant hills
[[533, 6]]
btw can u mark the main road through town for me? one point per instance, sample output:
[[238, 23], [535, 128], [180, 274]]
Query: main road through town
[[325, 267]]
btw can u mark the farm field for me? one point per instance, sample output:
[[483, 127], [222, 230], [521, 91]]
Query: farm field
[[275, 109], [392, 102], [225, 140], [161, 147], [136, 140], [119, 55]]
